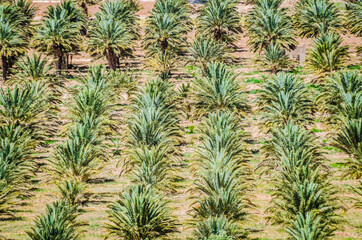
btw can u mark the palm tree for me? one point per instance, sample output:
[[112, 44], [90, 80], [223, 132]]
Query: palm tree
[[12, 44], [354, 19], [284, 98], [84, 4], [341, 97], [163, 62], [165, 32], [72, 191], [59, 222], [35, 67], [349, 140], [110, 39], [220, 20], [58, 37], [275, 58], [124, 11], [205, 50], [140, 213], [327, 54], [316, 17], [308, 227], [217, 228], [267, 25], [218, 89]]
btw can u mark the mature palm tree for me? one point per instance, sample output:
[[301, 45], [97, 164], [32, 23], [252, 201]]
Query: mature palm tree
[[354, 19], [220, 20], [124, 11], [35, 67], [141, 213], [164, 31], [267, 25], [110, 39], [316, 17], [12, 44], [218, 89], [59, 222], [58, 37], [284, 98], [275, 58], [205, 50], [327, 54]]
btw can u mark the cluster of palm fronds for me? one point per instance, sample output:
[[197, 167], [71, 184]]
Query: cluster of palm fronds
[[342, 100], [222, 173], [303, 198], [152, 136]]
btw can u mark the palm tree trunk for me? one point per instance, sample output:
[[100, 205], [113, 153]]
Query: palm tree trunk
[[85, 8], [164, 45], [5, 67], [111, 59], [58, 63]]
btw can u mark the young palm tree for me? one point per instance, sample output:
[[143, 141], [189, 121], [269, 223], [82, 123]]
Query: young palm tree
[[308, 227], [35, 67], [218, 89], [25, 106], [205, 50], [316, 17], [327, 54], [284, 98], [110, 39], [59, 222], [72, 191], [220, 20], [217, 228], [341, 97], [12, 44], [80, 156], [163, 62], [349, 140], [151, 166], [267, 24], [154, 121], [141, 213], [275, 58]]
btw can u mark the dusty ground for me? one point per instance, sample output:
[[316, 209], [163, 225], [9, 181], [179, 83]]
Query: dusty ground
[[104, 191]]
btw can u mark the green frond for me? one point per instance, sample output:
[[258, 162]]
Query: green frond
[[141, 213]]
